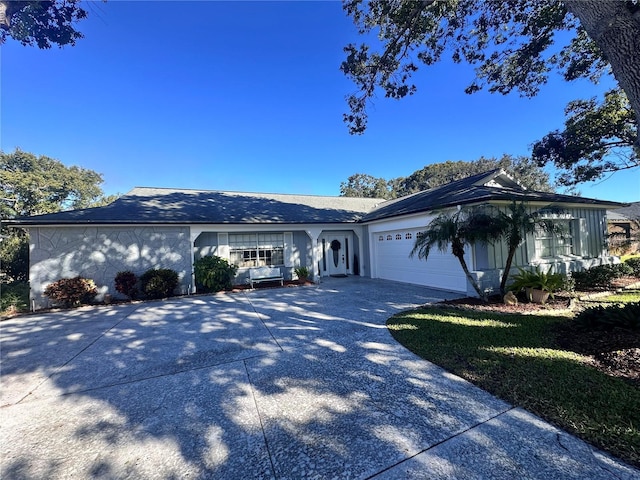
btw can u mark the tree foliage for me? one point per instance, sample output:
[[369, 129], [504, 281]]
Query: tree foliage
[[366, 186], [522, 169], [34, 185], [598, 138], [512, 43], [43, 24], [14, 256], [508, 41]]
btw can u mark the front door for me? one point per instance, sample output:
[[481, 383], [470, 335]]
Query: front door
[[336, 255]]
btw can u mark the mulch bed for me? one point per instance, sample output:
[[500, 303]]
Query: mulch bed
[[615, 353], [495, 305]]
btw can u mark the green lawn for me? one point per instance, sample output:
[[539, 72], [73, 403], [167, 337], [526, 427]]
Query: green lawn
[[516, 358], [624, 297]]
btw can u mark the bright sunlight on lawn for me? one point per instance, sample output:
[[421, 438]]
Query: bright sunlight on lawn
[[517, 358]]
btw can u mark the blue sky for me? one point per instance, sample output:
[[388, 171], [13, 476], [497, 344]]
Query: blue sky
[[248, 96]]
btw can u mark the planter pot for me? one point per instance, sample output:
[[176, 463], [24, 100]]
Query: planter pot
[[302, 280], [537, 296]]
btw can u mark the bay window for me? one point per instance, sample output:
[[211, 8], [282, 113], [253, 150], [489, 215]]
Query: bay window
[[256, 249]]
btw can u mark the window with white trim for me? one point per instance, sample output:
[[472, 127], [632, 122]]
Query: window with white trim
[[555, 244], [256, 250]]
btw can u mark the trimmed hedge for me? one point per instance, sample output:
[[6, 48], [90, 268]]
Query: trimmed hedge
[[634, 265], [158, 283], [611, 316], [600, 277]]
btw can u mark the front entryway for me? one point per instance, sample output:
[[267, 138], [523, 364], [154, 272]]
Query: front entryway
[[337, 251], [337, 264]]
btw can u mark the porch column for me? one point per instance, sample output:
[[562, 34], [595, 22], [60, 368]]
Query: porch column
[[358, 231], [194, 233], [316, 253]]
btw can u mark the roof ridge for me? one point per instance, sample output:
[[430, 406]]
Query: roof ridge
[[171, 189]]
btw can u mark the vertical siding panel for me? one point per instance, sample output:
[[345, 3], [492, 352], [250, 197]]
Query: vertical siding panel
[[223, 246]]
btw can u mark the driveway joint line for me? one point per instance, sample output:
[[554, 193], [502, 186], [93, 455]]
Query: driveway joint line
[[431, 447], [264, 433], [152, 377], [262, 321], [59, 367]]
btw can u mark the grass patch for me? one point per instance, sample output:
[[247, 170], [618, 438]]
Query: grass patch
[[517, 358], [629, 296], [624, 258]]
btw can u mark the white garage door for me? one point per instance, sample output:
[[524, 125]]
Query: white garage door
[[391, 254]]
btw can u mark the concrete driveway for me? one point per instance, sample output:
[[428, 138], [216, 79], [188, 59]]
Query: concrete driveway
[[275, 383]]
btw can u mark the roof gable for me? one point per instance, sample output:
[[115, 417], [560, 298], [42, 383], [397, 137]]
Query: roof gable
[[495, 185]]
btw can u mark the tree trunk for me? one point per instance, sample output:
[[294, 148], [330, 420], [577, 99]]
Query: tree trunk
[[507, 268], [615, 27], [4, 17], [7, 9], [472, 280]]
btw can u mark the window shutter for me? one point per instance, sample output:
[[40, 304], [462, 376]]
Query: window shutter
[[530, 243], [288, 249], [223, 245], [580, 237]]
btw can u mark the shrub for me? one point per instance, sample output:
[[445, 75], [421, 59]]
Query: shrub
[[612, 316], [548, 282], [159, 282], [126, 283], [302, 273], [214, 274], [14, 297], [14, 258], [600, 277], [71, 292], [634, 265]]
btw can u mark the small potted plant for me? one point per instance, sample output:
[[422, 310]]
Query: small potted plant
[[302, 273], [537, 285]]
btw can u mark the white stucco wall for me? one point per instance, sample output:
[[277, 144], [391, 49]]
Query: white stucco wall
[[99, 253]]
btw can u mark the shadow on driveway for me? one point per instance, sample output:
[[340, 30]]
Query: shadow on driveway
[[280, 383]]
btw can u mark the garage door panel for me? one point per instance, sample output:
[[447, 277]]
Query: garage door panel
[[441, 270]]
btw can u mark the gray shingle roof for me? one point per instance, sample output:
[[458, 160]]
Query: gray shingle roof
[[170, 206], [630, 212], [173, 206], [477, 189]]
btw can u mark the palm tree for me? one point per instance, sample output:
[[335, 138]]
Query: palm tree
[[515, 225], [464, 227]]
